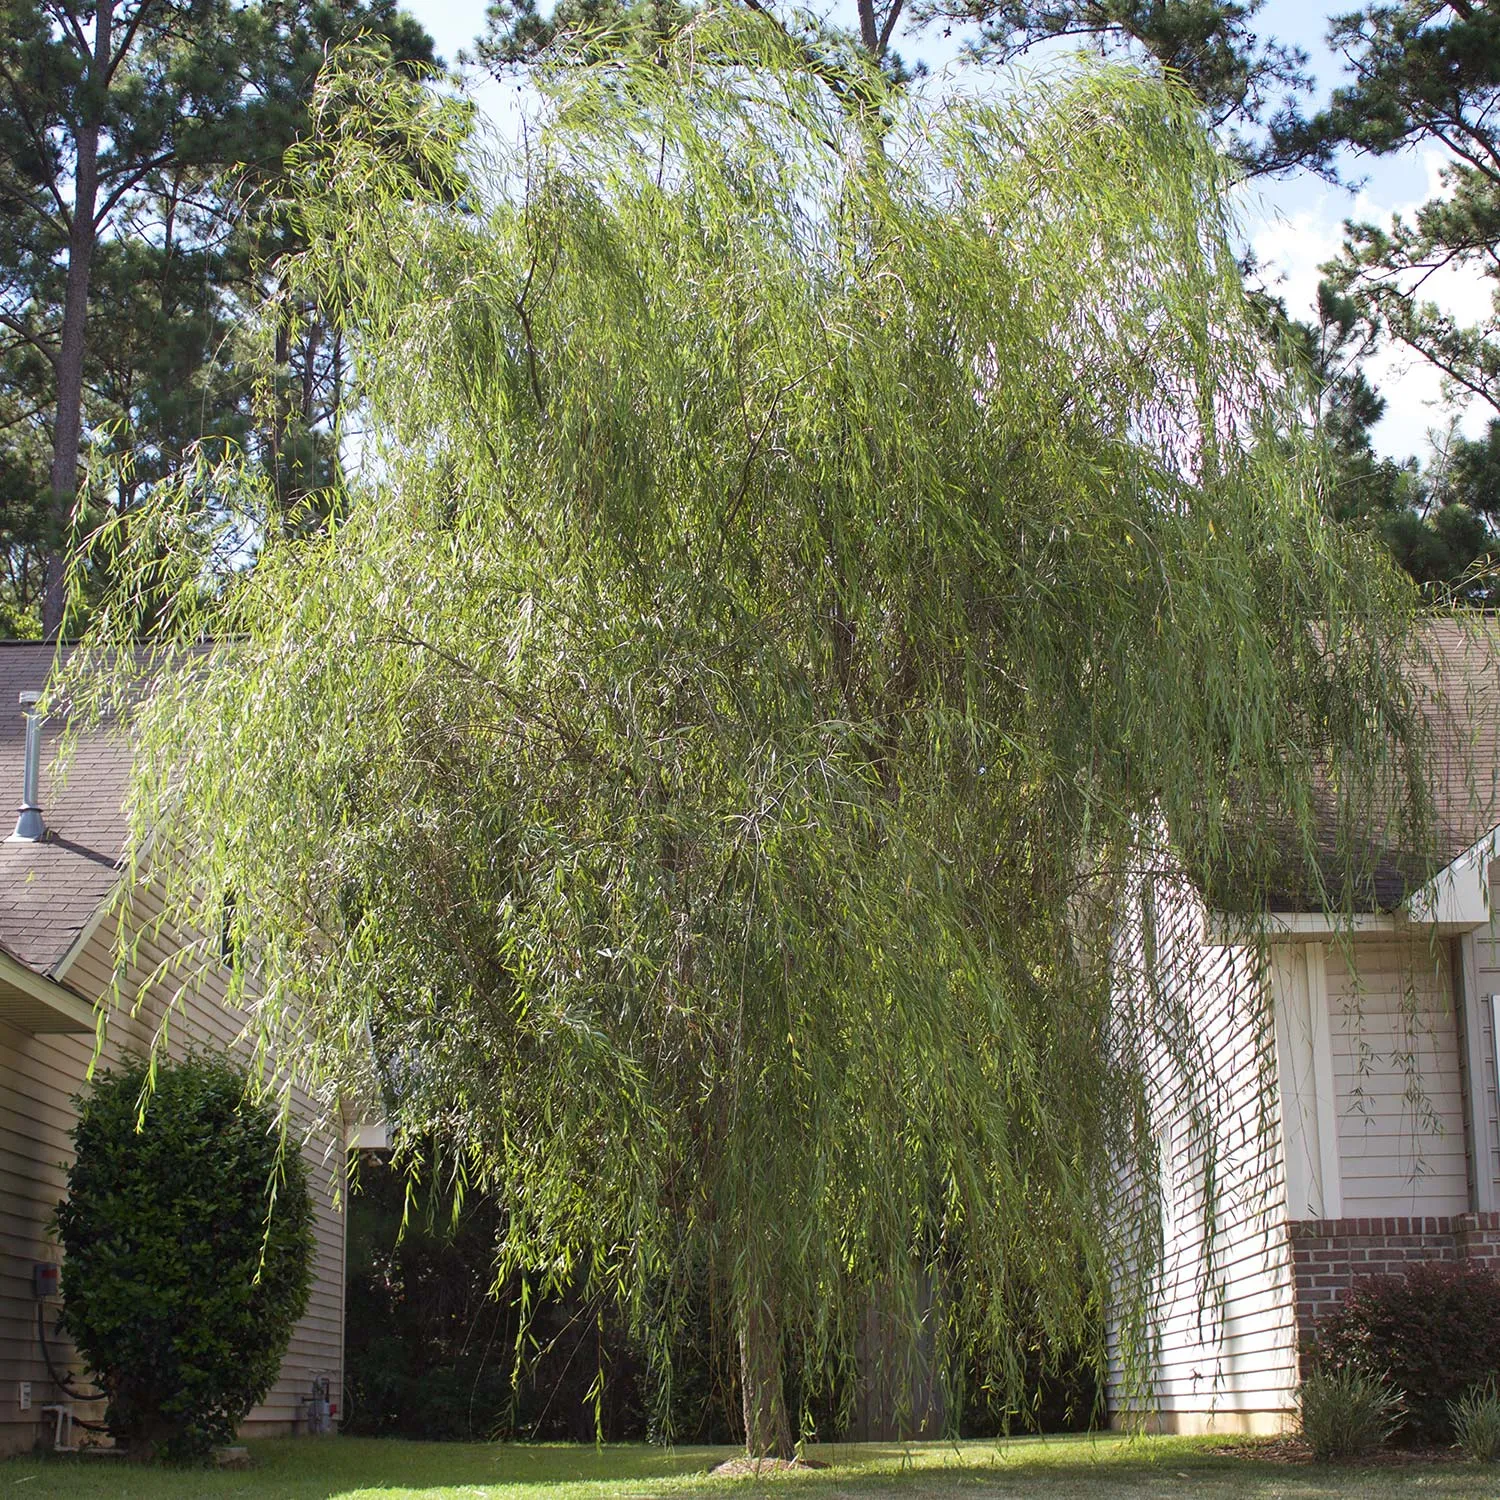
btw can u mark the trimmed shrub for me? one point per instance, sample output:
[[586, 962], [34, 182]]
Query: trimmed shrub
[[1434, 1333], [1346, 1413], [1476, 1423], [181, 1279]]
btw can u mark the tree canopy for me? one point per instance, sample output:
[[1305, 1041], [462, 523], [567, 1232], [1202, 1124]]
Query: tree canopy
[[132, 134], [1430, 75], [170, 263], [1243, 81], [802, 546], [1415, 74]]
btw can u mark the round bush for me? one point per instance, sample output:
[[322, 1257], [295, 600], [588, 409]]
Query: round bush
[[181, 1278], [1433, 1333]]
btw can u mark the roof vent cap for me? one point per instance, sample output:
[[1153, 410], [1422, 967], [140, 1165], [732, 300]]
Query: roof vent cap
[[30, 826]]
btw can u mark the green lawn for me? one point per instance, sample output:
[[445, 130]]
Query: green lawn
[[1048, 1469]]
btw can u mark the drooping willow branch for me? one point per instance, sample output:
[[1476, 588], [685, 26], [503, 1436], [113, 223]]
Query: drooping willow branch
[[696, 776]]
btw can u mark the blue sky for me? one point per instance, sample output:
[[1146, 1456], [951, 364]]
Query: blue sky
[[1293, 226]]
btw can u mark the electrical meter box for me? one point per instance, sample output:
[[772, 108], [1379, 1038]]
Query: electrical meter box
[[44, 1280]]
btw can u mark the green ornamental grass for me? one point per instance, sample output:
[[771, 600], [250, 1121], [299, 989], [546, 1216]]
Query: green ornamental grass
[[1346, 1412], [1476, 1422]]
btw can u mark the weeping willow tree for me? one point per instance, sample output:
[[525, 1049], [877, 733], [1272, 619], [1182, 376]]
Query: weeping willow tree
[[804, 546]]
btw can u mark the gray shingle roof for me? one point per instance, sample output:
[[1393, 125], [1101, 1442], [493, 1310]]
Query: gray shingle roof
[[1371, 858], [1461, 684], [1458, 687], [50, 890]]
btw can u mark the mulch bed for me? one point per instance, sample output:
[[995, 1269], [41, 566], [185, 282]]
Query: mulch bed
[[754, 1468], [1293, 1450]]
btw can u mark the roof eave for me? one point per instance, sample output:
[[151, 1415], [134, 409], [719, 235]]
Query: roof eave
[[1454, 901], [34, 1003]]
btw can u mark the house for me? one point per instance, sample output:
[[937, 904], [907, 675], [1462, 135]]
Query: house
[[1335, 1080], [59, 921]]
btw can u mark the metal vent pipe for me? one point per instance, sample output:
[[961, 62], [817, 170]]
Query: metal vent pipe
[[30, 825]]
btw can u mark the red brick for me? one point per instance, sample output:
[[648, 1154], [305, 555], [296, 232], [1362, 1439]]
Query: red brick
[[1330, 1255]]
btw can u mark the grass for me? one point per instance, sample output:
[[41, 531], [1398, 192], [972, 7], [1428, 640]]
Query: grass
[[1033, 1468]]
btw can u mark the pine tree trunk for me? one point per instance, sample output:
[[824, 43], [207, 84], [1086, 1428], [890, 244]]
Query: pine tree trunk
[[67, 423], [768, 1433]]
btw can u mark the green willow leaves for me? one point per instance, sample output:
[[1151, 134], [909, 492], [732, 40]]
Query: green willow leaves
[[799, 543]]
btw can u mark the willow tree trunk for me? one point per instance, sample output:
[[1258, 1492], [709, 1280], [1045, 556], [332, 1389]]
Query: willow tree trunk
[[768, 1433]]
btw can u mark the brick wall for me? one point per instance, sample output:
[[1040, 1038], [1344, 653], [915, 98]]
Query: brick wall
[[1477, 1238], [1330, 1255]]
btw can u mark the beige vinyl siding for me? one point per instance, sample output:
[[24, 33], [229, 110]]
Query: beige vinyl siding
[[1487, 956], [1223, 1321], [1395, 1047], [38, 1074], [33, 1139]]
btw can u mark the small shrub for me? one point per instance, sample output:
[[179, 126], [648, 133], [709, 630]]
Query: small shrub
[[1346, 1412], [178, 1293], [1476, 1422], [1434, 1333]]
